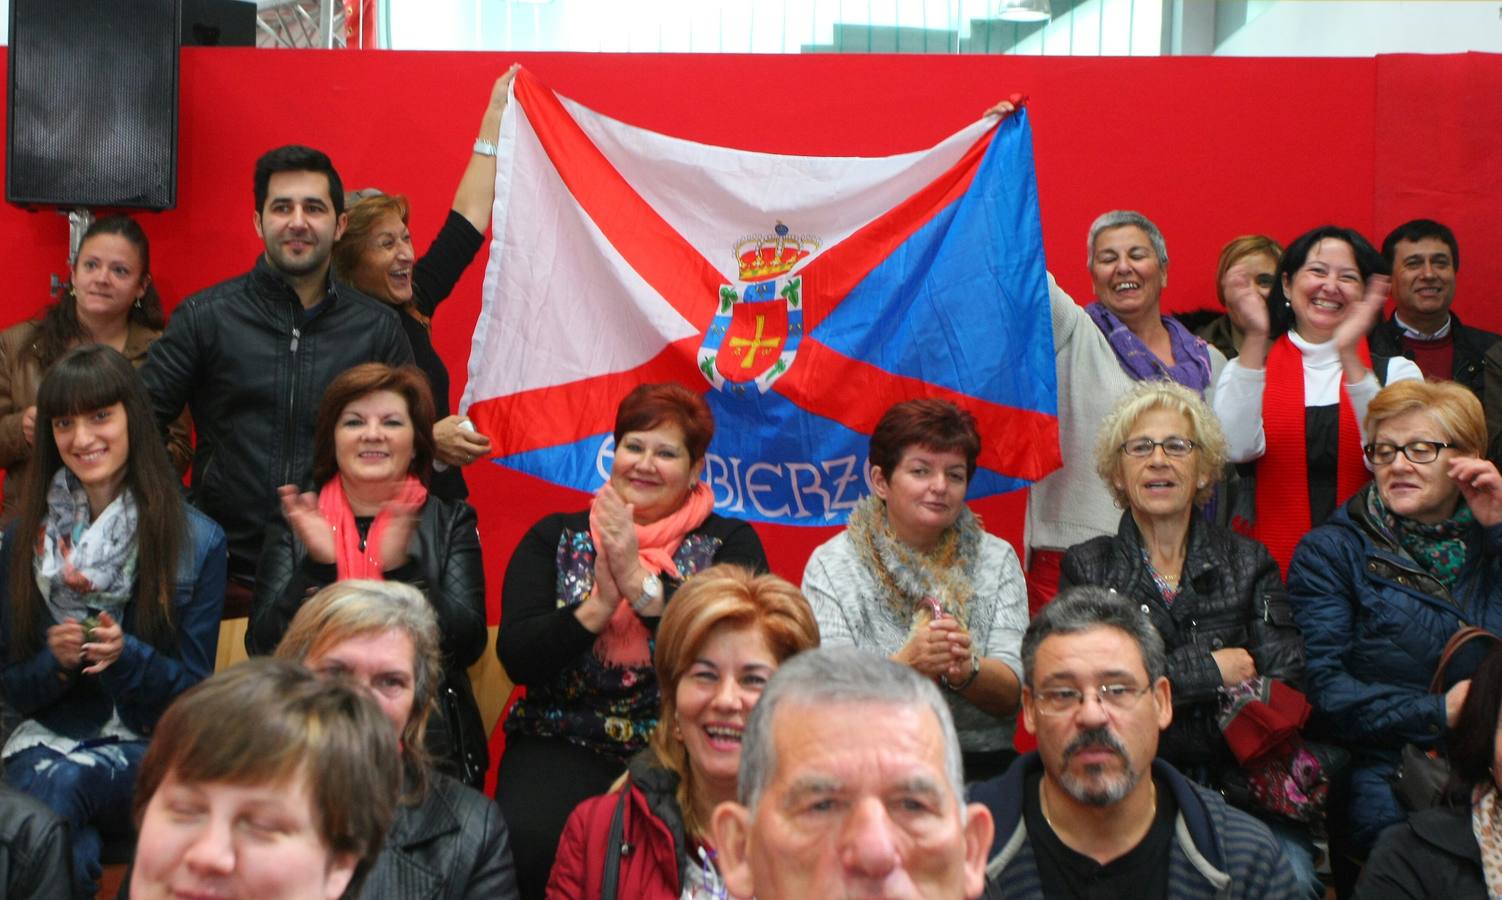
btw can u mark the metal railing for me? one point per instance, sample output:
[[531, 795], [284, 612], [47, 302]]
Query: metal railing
[[301, 24]]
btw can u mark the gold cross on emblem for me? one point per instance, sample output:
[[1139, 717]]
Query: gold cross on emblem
[[757, 342]]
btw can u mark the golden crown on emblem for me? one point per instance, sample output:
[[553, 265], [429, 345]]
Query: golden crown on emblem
[[764, 256]]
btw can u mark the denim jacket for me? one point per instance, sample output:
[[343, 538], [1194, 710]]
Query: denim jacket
[[145, 678]]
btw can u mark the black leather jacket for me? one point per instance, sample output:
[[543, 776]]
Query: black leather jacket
[[444, 563], [1230, 595], [452, 846], [34, 857], [252, 366]]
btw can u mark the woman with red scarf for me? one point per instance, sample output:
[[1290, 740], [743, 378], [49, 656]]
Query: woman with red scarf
[[372, 517], [579, 611], [1295, 398]]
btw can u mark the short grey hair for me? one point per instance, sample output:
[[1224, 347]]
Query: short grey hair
[[1117, 218], [833, 676], [1082, 608]]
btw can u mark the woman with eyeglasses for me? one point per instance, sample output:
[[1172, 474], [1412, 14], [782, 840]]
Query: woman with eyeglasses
[[1216, 597], [1380, 588], [1295, 398]]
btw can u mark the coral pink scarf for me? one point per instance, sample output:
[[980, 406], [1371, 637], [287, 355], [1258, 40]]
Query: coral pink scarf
[[624, 640], [351, 559]]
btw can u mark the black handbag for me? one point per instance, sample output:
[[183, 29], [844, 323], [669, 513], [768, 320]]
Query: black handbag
[[1422, 780], [466, 754]]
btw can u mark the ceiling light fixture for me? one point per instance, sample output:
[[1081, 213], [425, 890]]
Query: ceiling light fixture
[[1024, 11]]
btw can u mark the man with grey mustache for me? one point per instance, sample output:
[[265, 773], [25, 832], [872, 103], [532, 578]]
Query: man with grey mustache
[[1092, 813]]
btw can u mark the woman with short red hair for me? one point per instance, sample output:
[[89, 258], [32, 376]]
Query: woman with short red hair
[[916, 577], [583, 595]]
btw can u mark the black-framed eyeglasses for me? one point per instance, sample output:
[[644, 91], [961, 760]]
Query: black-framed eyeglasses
[[1061, 701], [1173, 446], [1380, 453]]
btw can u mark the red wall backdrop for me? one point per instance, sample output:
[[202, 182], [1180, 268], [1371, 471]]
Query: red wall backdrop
[[1209, 148]]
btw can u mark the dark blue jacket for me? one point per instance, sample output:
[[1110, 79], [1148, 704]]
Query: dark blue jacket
[[1375, 622], [144, 679], [1217, 851]]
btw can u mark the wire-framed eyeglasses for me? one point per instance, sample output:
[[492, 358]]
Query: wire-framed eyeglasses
[[1380, 453], [1061, 701], [1173, 446]]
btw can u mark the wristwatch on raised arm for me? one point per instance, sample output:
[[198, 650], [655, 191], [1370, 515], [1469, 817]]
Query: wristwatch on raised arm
[[651, 589]]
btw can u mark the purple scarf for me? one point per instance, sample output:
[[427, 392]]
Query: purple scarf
[[1191, 356]]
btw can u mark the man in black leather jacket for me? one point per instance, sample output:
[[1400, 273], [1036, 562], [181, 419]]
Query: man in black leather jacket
[[251, 356]]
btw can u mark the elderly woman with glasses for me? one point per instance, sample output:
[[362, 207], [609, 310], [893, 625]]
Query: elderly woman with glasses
[[1215, 596], [1380, 588]]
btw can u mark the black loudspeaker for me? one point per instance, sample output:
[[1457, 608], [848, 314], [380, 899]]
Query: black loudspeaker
[[92, 103]]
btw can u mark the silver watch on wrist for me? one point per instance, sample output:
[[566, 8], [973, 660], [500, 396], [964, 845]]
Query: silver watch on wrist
[[486, 148], [651, 590]]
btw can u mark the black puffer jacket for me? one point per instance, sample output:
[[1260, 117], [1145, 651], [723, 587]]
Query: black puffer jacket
[[1230, 595], [444, 563], [251, 366]]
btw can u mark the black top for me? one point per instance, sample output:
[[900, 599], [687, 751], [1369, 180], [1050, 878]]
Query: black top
[[1322, 433], [572, 692], [444, 563], [433, 279], [1472, 347], [1141, 872]]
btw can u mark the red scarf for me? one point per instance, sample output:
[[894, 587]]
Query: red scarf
[[351, 559], [1283, 472], [624, 640]]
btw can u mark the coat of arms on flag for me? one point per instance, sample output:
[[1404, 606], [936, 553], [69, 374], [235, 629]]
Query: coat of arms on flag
[[755, 333], [805, 295]]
